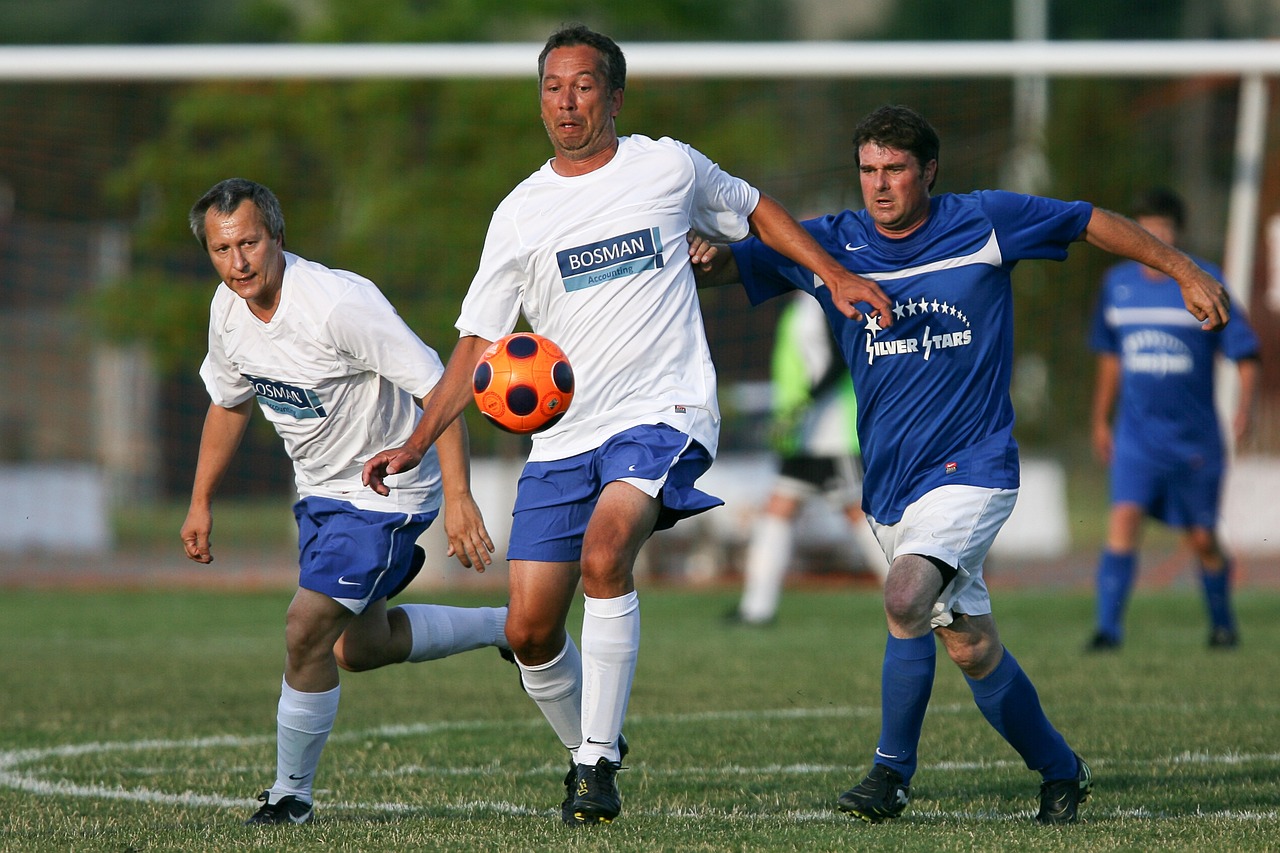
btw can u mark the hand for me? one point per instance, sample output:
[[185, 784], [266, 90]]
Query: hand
[[701, 251], [847, 290], [382, 465], [1206, 299], [195, 535], [468, 539]]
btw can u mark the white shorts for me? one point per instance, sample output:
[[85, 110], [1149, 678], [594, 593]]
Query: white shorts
[[954, 524]]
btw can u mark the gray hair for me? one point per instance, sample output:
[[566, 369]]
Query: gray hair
[[225, 196]]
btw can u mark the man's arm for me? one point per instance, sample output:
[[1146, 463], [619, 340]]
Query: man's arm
[[223, 430], [1203, 295], [1247, 369], [445, 402], [777, 230], [1106, 388], [469, 541]]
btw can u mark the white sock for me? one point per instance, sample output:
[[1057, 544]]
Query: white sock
[[557, 688], [610, 646], [440, 631], [765, 568], [303, 723]]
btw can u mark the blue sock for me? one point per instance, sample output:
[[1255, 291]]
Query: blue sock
[[906, 682], [1217, 595], [1114, 582], [1011, 705]]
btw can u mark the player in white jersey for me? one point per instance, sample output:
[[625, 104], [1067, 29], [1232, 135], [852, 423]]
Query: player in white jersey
[[338, 374], [591, 249]]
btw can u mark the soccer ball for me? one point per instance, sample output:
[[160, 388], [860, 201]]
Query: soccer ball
[[523, 383]]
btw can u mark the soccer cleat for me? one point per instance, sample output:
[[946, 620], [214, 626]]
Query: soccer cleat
[[1103, 642], [1060, 799], [290, 810], [1223, 638], [567, 806], [416, 563], [881, 796]]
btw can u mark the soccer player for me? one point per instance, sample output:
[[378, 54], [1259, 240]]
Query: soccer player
[[337, 373], [814, 410], [591, 248], [936, 423], [1166, 450]]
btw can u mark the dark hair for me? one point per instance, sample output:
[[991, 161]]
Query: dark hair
[[612, 63], [225, 196], [1160, 201], [901, 128]]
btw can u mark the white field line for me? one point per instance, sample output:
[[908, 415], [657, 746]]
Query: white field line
[[20, 770]]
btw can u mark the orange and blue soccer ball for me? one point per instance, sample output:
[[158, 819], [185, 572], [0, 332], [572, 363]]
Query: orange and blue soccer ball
[[523, 383]]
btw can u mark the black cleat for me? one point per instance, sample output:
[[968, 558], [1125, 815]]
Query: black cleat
[[567, 806], [416, 563], [1102, 642], [290, 810], [881, 796], [1060, 799], [1223, 638]]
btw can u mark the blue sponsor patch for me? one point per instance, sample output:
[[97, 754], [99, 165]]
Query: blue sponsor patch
[[286, 399], [607, 260]]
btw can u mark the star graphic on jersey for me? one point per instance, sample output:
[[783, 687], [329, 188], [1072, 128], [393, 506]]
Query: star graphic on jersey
[[872, 325], [898, 310], [924, 306]]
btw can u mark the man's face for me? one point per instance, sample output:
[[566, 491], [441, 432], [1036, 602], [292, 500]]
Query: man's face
[[577, 106], [895, 188], [1163, 227], [250, 261]]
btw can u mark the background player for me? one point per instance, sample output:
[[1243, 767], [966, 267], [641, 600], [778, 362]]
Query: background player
[[591, 248], [813, 431], [326, 357], [936, 424], [1166, 450]]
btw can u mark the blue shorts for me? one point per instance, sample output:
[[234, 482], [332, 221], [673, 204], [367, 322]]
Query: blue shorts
[[554, 500], [1179, 495], [354, 556]]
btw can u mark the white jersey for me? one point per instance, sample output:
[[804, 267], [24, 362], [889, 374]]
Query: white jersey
[[599, 264], [335, 372]]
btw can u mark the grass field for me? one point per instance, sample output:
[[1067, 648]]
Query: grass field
[[133, 722]]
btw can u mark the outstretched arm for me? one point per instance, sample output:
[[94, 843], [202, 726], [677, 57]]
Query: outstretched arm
[[777, 230], [469, 540], [223, 430], [445, 402], [1203, 295]]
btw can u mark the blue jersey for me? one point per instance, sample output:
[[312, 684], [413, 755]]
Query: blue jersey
[[1166, 411], [933, 388]]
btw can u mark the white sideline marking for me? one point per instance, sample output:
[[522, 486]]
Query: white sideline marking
[[16, 771]]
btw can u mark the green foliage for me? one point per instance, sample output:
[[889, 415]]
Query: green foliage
[[146, 721]]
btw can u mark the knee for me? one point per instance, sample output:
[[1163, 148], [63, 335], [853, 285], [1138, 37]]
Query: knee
[[905, 606], [977, 657], [533, 644]]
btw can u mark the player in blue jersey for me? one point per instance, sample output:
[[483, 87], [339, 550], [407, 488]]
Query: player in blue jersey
[[935, 423], [1156, 377]]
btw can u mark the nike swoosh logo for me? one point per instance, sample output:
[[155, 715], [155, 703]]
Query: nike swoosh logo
[[883, 754], [632, 468], [346, 582], [298, 778], [849, 247], [600, 742]]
